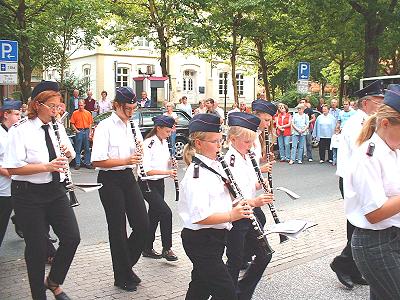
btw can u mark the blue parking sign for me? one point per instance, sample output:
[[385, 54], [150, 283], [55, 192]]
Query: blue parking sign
[[303, 71], [8, 51]]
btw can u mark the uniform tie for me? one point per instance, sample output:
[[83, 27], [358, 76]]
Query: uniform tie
[[52, 151]]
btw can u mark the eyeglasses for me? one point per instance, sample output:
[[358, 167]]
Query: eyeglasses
[[51, 106], [218, 141], [129, 109], [376, 102]]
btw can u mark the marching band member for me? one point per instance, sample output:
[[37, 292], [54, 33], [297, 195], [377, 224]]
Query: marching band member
[[155, 163], [372, 199], [241, 134], [115, 154], [39, 196], [205, 207], [9, 115]]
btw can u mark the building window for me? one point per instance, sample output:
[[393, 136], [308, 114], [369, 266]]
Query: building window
[[86, 78], [143, 42], [221, 84], [240, 83], [122, 76], [188, 77]]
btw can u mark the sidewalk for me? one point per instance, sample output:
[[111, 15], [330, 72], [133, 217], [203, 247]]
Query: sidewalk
[[299, 268]]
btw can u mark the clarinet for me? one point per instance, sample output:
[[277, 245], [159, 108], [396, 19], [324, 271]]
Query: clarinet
[[267, 189], [238, 197], [73, 201], [174, 166], [138, 147]]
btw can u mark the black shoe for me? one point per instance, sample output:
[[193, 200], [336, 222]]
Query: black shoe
[[90, 167], [344, 279], [169, 255], [77, 167], [18, 230], [126, 286], [359, 280], [136, 279], [151, 254]]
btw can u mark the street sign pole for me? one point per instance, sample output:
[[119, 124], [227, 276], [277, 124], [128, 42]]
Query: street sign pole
[[8, 63]]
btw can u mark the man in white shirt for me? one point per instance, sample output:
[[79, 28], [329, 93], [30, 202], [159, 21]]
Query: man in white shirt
[[185, 106], [370, 98]]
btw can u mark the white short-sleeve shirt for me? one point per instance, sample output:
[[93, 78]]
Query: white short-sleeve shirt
[[27, 145], [5, 182], [370, 182], [201, 197], [242, 171], [156, 156], [114, 139]]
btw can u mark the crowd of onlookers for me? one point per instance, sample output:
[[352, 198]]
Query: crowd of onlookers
[[303, 126]]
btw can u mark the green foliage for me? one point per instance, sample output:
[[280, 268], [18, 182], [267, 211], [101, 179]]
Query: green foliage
[[291, 96]]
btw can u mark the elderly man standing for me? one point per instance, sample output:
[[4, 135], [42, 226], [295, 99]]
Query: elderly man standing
[[73, 101], [144, 101], [91, 104], [370, 98], [81, 122]]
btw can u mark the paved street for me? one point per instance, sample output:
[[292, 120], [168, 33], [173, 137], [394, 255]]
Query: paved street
[[299, 268]]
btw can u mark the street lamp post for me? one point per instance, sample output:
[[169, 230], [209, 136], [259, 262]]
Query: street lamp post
[[346, 79], [225, 92]]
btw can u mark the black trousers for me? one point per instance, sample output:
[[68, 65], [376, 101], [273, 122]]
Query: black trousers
[[210, 276], [159, 212], [5, 213], [249, 249], [345, 261], [323, 146], [121, 199], [36, 206], [243, 233]]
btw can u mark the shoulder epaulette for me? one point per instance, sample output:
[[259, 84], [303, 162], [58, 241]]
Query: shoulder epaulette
[[22, 121], [151, 144], [232, 160]]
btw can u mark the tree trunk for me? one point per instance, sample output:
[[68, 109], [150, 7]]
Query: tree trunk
[[24, 62], [341, 89], [233, 66], [264, 67], [371, 50]]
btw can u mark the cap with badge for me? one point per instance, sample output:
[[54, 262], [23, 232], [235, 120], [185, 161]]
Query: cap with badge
[[45, 86], [205, 123], [10, 104], [392, 96], [374, 89], [243, 119], [264, 106], [125, 95], [164, 121]]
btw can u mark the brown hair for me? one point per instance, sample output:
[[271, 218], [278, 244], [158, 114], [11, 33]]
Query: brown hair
[[373, 122], [41, 98], [189, 150]]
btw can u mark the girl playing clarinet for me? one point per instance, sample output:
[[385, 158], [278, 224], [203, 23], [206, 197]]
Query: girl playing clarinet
[[205, 207], [156, 165]]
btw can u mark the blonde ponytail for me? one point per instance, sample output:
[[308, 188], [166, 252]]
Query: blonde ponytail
[[189, 150], [368, 129]]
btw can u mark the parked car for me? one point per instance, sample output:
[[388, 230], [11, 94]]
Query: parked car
[[143, 117]]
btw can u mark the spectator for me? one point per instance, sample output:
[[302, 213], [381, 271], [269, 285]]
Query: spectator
[[185, 106], [201, 109], [334, 111], [283, 130], [353, 105], [320, 103], [91, 104], [73, 102], [344, 114], [220, 111], [170, 112], [335, 141], [81, 122], [310, 113], [244, 108], [323, 131], [145, 102], [210, 105], [300, 124], [104, 104], [24, 110], [234, 108], [61, 111]]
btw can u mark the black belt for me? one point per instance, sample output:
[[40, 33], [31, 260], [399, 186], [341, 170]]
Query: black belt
[[82, 128]]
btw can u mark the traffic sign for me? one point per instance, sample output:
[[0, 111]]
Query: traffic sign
[[303, 71], [8, 51], [302, 86], [8, 67], [8, 79]]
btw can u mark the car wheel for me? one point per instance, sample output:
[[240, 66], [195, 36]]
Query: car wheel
[[179, 145], [314, 142]]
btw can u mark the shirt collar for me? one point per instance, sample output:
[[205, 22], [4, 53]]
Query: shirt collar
[[117, 120], [38, 123], [381, 145], [209, 162]]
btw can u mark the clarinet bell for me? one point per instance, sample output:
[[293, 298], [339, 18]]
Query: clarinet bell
[[73, 201]]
